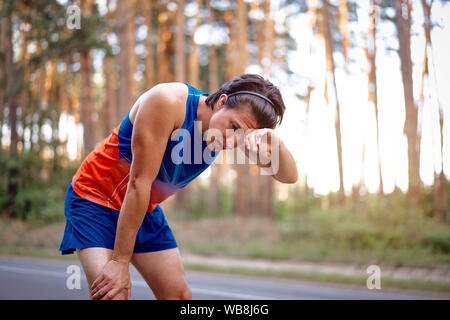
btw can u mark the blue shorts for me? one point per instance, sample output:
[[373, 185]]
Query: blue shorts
[[89, 224]]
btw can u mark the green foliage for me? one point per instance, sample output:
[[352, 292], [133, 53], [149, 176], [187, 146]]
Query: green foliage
[[203, 207], [283, 212], [437, 240], [373, 230], [225, 202], [333, 236], [90, 35], [33, 186], [52, 209], [199, 208], [38, 198]]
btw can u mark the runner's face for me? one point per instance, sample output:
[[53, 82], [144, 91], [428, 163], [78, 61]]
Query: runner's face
[[229, 125]]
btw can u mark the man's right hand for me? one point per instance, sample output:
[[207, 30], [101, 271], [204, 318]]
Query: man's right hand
[[114, 278]]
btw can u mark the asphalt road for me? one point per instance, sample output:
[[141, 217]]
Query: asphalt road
[[31, 278]]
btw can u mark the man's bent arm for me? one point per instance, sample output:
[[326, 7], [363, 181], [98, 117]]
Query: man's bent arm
[[151, 130]]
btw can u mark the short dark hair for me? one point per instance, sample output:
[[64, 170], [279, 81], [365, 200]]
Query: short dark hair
[[267, 115]]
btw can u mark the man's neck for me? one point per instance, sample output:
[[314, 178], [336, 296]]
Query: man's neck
[[204, 113]]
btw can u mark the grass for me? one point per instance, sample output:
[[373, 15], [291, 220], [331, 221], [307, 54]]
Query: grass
[[320, 237], [325, 278], [23, 252], [331, 237], [373, 236]]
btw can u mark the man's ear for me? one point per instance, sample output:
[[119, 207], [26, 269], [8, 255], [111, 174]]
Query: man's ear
[[222, 102]]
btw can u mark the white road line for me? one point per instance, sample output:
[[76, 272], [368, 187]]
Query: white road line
[[34, 271], [138, 283]]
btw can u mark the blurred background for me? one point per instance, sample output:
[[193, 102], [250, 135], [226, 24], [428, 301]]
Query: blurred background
[[366, 87]]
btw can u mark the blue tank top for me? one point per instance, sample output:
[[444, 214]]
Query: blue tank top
[[178, 166]]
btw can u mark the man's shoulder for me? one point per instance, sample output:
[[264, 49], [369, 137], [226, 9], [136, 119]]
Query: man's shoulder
[[169, 98], [168, 92]]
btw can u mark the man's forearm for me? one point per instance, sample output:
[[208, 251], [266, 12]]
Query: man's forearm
[[131, 215], [287, 169]]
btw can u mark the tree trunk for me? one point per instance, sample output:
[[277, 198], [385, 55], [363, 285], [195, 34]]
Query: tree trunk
[[3, 39], [213, 68], [163, 43], [268, 43], [259, 31], [13, 172], [313, 23], [344, 28], [231, 51], [132, 58], [86, 102], [331, 74], [216, 169], [63, 96], [263, 184], [403, 25], [194, 68], [268, 58], [127, 40], [180, 38], [56, 142], [110, 116], [36, 92], [242, 35], [64, 101], [24, 97], [440, 181], [149, 59], [371, 52], [184, 197], [242, 178]]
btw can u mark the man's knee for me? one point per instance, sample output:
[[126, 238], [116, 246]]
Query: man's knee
[[181, 293], [186, 293], [122, 295]]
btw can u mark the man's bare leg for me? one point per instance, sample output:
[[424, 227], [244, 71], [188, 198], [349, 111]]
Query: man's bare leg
[[93, 260], [164, 273]]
